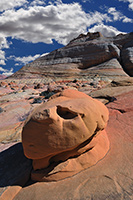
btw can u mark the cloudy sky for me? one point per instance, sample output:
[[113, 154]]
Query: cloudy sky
[[31, 28]]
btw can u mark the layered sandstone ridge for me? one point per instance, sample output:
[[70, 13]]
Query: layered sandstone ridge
[[69, 127], [86, 55]]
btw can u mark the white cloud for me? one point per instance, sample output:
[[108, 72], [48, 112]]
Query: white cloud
[[131, 6], [17, 64], [126, 20], [117, 15], [6, 72], [2, 57], [9, 4], [2, 69], [130, 3], [3, 42], [37, 2], [36, 22], [2, 62], [24, 60], [107, 31], [61, 22], [84, 1], [44, 54]]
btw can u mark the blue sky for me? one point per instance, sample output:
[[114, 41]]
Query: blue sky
[[31, 28]]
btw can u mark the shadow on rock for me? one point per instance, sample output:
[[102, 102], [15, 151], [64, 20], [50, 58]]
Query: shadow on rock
[[15, 168]]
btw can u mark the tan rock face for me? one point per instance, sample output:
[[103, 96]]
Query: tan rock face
[[68, 125]]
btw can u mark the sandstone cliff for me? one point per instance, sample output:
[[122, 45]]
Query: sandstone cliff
[[86, 55]]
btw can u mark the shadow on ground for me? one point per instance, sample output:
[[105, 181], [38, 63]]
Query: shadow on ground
[[15, 168]]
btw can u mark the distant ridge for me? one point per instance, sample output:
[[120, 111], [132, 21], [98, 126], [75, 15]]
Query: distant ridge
[[85, 56], [2, 77]]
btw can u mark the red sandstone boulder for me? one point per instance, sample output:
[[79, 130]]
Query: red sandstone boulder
[[68, 125], [82, 157]]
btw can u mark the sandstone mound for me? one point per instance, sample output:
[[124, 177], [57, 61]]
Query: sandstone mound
[[86, 55], [69, 127], [111, 178]]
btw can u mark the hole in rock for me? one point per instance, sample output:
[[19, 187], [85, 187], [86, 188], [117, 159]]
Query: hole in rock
[[65, 113]]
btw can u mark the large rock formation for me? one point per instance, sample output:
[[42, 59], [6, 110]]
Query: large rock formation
[[87, 55], [101, 76], [111, 178], [68, 125]]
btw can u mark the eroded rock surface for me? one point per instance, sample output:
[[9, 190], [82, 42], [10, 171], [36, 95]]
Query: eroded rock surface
[[68, 125], [127, 57], [84, 56], [111, 178], [19, 97]]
